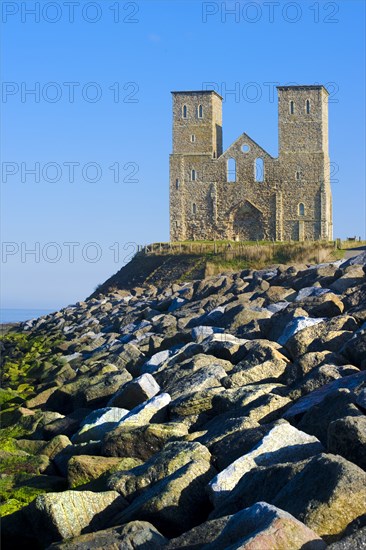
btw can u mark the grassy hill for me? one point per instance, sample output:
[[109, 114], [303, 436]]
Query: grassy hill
[[161, 264]]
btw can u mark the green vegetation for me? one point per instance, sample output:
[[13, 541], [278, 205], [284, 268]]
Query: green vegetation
[[16, 491], [235, 256], [12, 498], [162, 264], [191, 273], [345, 245], [22, 357], [224, 256], [21, 462], [22, 354]]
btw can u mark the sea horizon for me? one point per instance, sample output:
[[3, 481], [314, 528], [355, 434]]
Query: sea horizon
[[19, 315]]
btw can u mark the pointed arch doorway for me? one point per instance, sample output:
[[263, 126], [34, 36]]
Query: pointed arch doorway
[[247, 222]]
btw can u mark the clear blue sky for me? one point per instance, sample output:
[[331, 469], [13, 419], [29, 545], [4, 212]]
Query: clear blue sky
[[143, 50]]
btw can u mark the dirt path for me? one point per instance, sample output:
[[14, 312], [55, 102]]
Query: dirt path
[[354, 252]]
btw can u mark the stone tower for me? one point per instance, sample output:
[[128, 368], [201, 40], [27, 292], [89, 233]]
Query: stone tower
[[244, 193], [304, 151], [197, 138]]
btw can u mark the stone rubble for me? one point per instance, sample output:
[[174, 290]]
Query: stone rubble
[[228, 412]]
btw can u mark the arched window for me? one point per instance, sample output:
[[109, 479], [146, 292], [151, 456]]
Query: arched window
[[194, 208], [231, 170], [200, 111], [292, 108], [214, 154], [301, 209], [193, 175], [193, 138], [177, 184], [259, 169], [298, 175], [184, 111], [307, 107]]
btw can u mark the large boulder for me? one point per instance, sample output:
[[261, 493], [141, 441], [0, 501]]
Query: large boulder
[[156, 361], [266, 408], [236, 440], [154, 409], [221, 427], [224, 346], [41, 398], [136, 535], [55, 446], [326, 492], [295, 325], [195, 408], [354, 300], [174, 504], [314, 398], [276, 294], [87, 391], [236, 397], [210, 286], [262, 362], [173, 456], [327, 335], [57, 516], [141, 442], [261, 483], [355, 349], [135, 392], [352, 275], [202, 379], [337, 405], [67, 425], [307, 362], [200, 536], [355, 541], [326, 495], [130, 358], [201, 332], [255, 403], [61, 460], [238, 315], [202, 369], [282, 317], [347, 437], [260, 527], [318, 377], [97, 424], [165, 324], [327, 305], [283, 443], [82, 469], [360, 259]]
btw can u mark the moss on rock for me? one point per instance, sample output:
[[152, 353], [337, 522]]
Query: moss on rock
[[16, 491]]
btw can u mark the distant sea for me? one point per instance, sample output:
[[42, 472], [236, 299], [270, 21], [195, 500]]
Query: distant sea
[[19, 315]]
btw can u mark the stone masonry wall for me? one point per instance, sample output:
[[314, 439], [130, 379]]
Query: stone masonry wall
[[289, 199]]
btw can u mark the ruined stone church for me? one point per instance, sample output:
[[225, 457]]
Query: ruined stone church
[[244, 193]]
